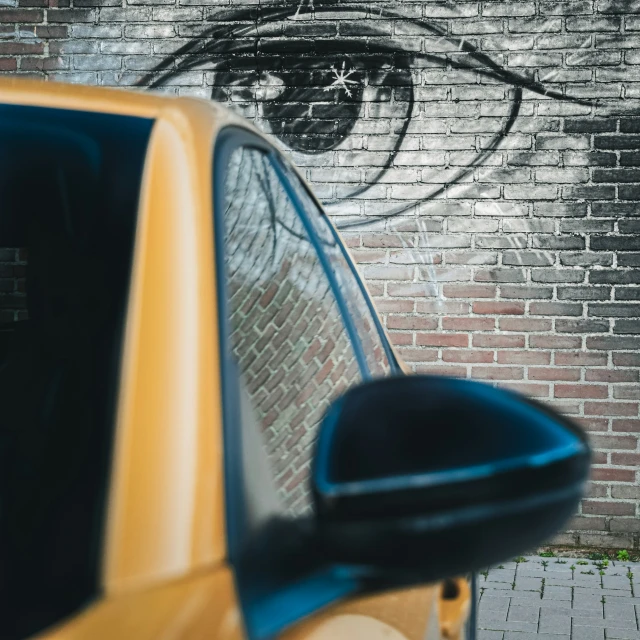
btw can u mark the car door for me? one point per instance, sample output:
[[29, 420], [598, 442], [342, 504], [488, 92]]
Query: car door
[[297, 331]]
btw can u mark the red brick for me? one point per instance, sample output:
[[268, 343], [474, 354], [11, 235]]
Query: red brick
[[527, 388], [483, 340], [399, 338], [581, 391], [20, 48], [595, 424], [626, 359], [596, 490], [608, 508], [467, 355], [407, 289], [611, 408], [555, 342], [587, 524], [498, 308], [385, 240], [626, 392], [613, 475], [442, 339], [630, 443], [418, 355], [524, 357], [389, 305], [469, 324], [626, 459], [369, 256], [581, 359], [630, 426], [441, 308], [524, 324], [21, 15], [553, 373], [469, 291], [497, 373], [625, 492], [411, 322], [8, 64], [441, 370], [609, 375]]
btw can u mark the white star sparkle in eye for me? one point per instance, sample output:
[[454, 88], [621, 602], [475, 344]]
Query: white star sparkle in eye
[[342, 79]]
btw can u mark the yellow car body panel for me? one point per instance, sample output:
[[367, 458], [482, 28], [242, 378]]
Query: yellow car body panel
[[164, 570]]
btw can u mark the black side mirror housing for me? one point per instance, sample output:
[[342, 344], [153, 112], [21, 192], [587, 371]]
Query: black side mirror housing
[[419, 478]]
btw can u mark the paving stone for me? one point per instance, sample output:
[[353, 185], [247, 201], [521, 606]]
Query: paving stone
[[498, 586], [494, 603], [619, 611], [512, 626], [537, 571], [500, 575], [587, 633], [555, 571], [622, 634], [556, 593], [616, 582], [608, 623], [583, 601], [523, 614], [554, 623], [573, 606], [494, 615], [528, 584], [533, 636]]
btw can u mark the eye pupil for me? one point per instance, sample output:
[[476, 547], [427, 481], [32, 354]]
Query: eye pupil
[[317, 115]]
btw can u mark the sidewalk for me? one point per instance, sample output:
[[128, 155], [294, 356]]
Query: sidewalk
[[560, 599]]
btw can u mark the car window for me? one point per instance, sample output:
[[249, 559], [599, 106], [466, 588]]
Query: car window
[[69, 187], [375, 350], [287, 333]]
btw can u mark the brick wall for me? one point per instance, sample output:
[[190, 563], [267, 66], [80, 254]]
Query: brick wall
[[501, 139]]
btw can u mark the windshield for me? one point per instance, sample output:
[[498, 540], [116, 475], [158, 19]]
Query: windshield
[[69, 184]]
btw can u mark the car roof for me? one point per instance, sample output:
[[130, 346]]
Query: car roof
[[121, 101]]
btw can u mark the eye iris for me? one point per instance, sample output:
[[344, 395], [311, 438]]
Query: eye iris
[[319, 115]]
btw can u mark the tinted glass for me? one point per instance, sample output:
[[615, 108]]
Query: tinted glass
[[287, 332], [69, 184], [347, 280]]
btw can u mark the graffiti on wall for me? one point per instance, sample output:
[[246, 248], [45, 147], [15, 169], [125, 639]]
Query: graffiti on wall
[[313, 88]]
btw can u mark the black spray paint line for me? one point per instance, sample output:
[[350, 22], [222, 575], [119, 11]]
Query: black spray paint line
[[227, 41]]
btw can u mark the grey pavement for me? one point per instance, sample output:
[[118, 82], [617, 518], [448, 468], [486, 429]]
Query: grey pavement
[[538, 598]]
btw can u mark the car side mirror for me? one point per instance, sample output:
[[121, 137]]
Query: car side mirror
[[421, 478]]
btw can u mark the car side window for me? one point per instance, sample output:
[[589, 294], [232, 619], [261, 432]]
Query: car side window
[[287, 333], [376, 352]]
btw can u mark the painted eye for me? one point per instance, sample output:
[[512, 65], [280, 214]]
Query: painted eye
[[320, 115], [315, 91]]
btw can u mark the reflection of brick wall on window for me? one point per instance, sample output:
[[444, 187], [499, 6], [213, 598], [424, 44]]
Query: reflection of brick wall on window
[[13, 300], [286, 330]]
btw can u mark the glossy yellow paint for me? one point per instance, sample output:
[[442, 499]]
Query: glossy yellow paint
[[199, 608], [454, 609], [164, 570]]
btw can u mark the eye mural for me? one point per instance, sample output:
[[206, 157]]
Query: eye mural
[[311, 88]]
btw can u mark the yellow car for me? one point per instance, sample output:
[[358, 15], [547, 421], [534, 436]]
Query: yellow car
[[204, 431]]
